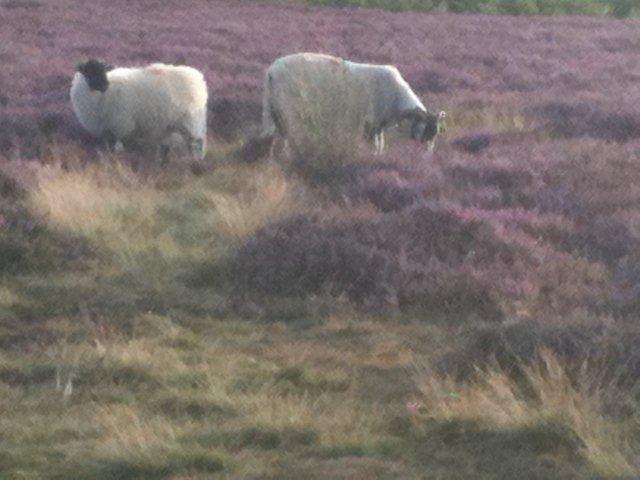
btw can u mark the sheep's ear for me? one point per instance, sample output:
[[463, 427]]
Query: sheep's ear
[[108, 67]]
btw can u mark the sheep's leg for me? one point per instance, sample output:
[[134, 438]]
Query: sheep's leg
[[271, 119], [197, 148], [112, 144], [378, 140], [272, 148], [162, 154], [278, 147], [121, 127]]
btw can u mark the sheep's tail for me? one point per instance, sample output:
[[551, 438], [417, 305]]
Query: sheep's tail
[[269, 126], [259, 146]]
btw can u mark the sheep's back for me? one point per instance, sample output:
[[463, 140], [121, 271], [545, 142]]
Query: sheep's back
[[156, 97], [303, 77], [186, 85], [317, 98]]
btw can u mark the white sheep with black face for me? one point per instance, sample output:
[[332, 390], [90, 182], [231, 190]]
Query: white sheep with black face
[[142, 106], [387, 98]]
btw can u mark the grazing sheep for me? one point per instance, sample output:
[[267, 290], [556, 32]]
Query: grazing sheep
[[142, 106], [384, 98]]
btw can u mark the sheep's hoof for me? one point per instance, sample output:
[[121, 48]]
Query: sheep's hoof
[[163, 155], [197, 168]]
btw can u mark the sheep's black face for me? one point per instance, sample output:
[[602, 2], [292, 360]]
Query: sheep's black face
[[426, 128], [95, 73]]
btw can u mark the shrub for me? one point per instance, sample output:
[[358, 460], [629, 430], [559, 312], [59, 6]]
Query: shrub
[[625, 295], [474, 143], [229, 117], [515, 187], [421, 258], [602, 240], [389, 197], [388, 187], [584, 119]]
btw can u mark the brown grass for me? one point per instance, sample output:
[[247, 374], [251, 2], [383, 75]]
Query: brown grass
[[497, 399], [165, 387]]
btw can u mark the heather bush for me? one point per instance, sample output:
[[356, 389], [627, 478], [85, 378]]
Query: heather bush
[[625, 295], [603, 239], [587, 180], [565, 284], [473, 143], [389, 197], [386, 186], [515, 188], [420, 258], [229, 118], [588, 120]]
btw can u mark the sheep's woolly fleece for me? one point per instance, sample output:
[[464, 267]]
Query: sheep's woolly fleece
[[146, 102], [379, 92]]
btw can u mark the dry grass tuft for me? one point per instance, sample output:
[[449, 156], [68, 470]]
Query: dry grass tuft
[[131, 216], [105, 202], [326, 127], [268, 194], [548, 395]]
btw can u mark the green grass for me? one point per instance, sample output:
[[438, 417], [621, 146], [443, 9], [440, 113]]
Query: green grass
[[114, 365], [617, 8]]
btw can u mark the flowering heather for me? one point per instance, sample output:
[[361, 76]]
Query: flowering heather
[[421, 258], [132, 296], [576, 75], [555, 98]]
